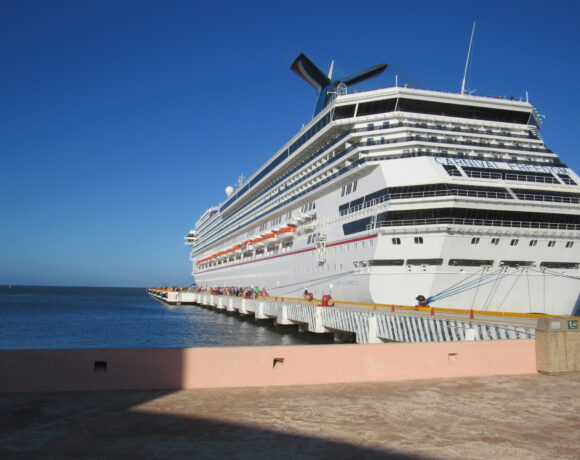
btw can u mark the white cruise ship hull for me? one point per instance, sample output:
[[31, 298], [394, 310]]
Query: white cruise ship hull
[[399, 205]]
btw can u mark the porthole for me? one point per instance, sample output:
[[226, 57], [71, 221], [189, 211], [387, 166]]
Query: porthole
[[551, 243], [474, 240], [569, 244], [533, 243], [396, 241], [418, 240], [495, 241], [514, 242]]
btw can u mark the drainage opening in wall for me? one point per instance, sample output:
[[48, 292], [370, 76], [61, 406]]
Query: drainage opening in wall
[[100, 366], [277, 362]]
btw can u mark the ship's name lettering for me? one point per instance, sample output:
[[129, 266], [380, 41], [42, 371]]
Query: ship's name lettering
[[496, 165]]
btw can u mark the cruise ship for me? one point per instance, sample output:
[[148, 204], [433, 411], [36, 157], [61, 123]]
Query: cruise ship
[[397, 194]]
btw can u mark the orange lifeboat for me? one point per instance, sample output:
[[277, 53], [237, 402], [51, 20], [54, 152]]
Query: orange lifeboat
[[269, 238], [286, 233], [237, 248], [257, 243]]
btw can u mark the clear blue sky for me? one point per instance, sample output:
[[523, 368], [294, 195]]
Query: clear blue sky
[[121, 121]]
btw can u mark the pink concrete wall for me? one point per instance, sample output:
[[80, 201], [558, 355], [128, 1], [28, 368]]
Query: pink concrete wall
[[74, 370]]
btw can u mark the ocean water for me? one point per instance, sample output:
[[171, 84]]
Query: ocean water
[[35, 317]]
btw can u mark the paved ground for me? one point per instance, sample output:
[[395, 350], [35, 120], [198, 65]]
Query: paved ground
[[526, 417]]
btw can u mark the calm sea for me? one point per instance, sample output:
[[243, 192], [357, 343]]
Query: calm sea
[[33, 317]]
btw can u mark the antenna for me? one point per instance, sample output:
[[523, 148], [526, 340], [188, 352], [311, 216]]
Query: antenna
[[331, 69], [241, 179], [467, 60]]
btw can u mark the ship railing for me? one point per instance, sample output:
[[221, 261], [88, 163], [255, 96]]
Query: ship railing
[[428, 194], [432, 140], [437, 127], [511, 176], [474, 222], [547, 198]]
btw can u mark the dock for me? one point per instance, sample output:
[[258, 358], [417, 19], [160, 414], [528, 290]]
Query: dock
[[363, 323]]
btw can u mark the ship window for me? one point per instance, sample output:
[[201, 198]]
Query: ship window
[[386, 262], [452, 170], [533, 243], [546, 195], [374, 107], [418, 240], [495, 241], [569, 244], [354, 184], [469, 262], [551, 243], [344, 111], [509, 174], [396, 241], [424, 261], [474, 240], [514, 242], [561, 265], [462, 111], [567, 179], [516, 263]]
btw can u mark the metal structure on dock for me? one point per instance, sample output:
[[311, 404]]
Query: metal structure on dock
[[367, 326]]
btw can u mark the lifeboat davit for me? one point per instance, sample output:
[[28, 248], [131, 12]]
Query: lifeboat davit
[[286, 233]]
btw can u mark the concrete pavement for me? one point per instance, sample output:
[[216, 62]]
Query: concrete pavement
[[516, 417]]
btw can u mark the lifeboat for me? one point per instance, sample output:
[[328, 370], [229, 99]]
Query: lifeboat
[[237, 248], [269, 238], [286, 233], [257, 243]]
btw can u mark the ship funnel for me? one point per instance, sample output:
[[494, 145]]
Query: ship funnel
[[307, 70]]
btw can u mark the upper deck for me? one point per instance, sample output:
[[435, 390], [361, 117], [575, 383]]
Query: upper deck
[[393, 99]]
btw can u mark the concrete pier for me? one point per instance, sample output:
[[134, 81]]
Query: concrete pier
[[368, 325]]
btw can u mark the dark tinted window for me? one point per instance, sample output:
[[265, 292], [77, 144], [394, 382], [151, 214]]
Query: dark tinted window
[[462, 111], [385, 262], [374, 107], [344, 111]]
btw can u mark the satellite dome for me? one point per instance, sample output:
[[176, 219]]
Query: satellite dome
[[229, 190]]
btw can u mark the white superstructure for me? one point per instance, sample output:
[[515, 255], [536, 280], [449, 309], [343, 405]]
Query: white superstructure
[[393, 193]]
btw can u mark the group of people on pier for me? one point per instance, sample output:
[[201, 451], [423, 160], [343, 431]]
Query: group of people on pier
[[248, 292]]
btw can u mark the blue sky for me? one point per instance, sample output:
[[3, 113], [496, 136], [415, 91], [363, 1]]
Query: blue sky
[[122, 121]]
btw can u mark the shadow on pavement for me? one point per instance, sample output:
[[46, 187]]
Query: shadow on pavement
[[113, 425]]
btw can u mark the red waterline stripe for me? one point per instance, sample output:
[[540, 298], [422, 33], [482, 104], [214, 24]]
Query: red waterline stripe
[[354, 240]]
